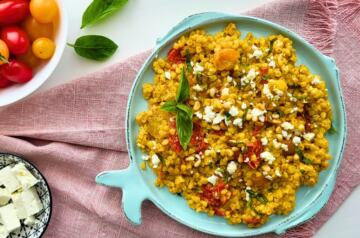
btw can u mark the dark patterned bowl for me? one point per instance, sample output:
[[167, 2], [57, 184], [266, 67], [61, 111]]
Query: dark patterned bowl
[[36, 230]]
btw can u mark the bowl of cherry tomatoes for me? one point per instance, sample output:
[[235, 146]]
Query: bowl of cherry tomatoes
[[32, 39]]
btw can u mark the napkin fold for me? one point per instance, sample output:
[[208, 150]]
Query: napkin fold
[[74, 131]]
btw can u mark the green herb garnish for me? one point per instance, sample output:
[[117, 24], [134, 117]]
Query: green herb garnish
[[100, 9], [184, 124], [332, 129], [302, 157], [94, 47], [188, 60], [272, 45], [3, 59]]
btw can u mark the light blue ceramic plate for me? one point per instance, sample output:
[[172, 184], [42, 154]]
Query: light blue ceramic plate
[[138, 185]]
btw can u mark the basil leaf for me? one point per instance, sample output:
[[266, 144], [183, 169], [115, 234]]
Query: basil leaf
[[302, 157], [188, 60], [184, 128], [100, 9], [183, 91], [3, 59], [94, 47], [272, 44], [185, 109], [169, 106]]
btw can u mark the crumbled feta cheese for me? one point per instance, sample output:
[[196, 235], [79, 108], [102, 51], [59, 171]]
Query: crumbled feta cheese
[[209, 114], [238, 122], [198, 115], [285, 147], [155, 160], [275, 115], [249, 77], [276, 144], [278, 92], [257, 53], [287, 126], [231, 167], [309, 136], [267, 156], [167, 75], [266, 91], [197, 88], [218, 172], [255, 113], [284, 133], [243, 106], [272, 63], [229, 78], [277, 172], [197, 68], [294, 109], [264, 141], [247, 198], [145, 157], [218, 118], [296, 140], [234, 111], [315, 81], [212, 179], [225, 92], [262, 118]]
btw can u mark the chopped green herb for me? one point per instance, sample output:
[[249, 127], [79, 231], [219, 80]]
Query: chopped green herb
[[272, 45], [302, 157], [332, 129], [188, 60]]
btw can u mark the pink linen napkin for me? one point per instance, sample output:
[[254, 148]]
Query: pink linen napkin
[[74, 131]]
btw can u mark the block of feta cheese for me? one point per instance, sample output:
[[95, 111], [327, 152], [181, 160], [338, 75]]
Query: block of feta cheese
[[27, 203], [5, 196], [31, 220], [19, 205], [26, 179], [3, 232], [9, 180], [9, 218]]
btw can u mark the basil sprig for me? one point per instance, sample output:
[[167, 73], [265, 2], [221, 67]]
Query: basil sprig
[[184, 124], [94, 47], [100, 9], [302, 157]]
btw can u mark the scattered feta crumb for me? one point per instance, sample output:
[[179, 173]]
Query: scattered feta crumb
[[264, 141], [197, 88], [218, 172], [231, 167], [262, 118], [284, 133], [276, 144], [197, 68], [229, 78], [155, 160], [287, 126], [218, 118], [266, 91], [249, 77], [255, 113], [257, 53], [272, 63], [267, 156], [247, 198], [225, 92], [234, 111], [296, 140], [309, 136], [198, 115], [238, 122], [212, 179], [277, 172], [243, 106], [268, 177], [145, 157], [284, 147], [294, 109], [167, 75], [209, 114], [315, 81], [278, 92]]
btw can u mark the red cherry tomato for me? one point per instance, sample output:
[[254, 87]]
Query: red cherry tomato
[[16, 71], [4, 83], [174, 56], [16, 39], [13, 11]]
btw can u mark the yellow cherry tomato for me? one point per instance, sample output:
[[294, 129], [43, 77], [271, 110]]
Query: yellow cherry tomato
[[43, 48], [29, 59], [44, 11], [35, 29], [4, 51]]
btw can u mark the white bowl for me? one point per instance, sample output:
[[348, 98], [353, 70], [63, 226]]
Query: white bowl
[[19, 91]]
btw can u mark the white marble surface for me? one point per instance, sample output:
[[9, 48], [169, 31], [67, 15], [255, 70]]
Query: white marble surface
[[136, 28]]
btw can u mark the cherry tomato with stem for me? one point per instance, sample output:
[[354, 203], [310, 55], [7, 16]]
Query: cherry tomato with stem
[[13, 11], [16, 39], [16, 72]]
